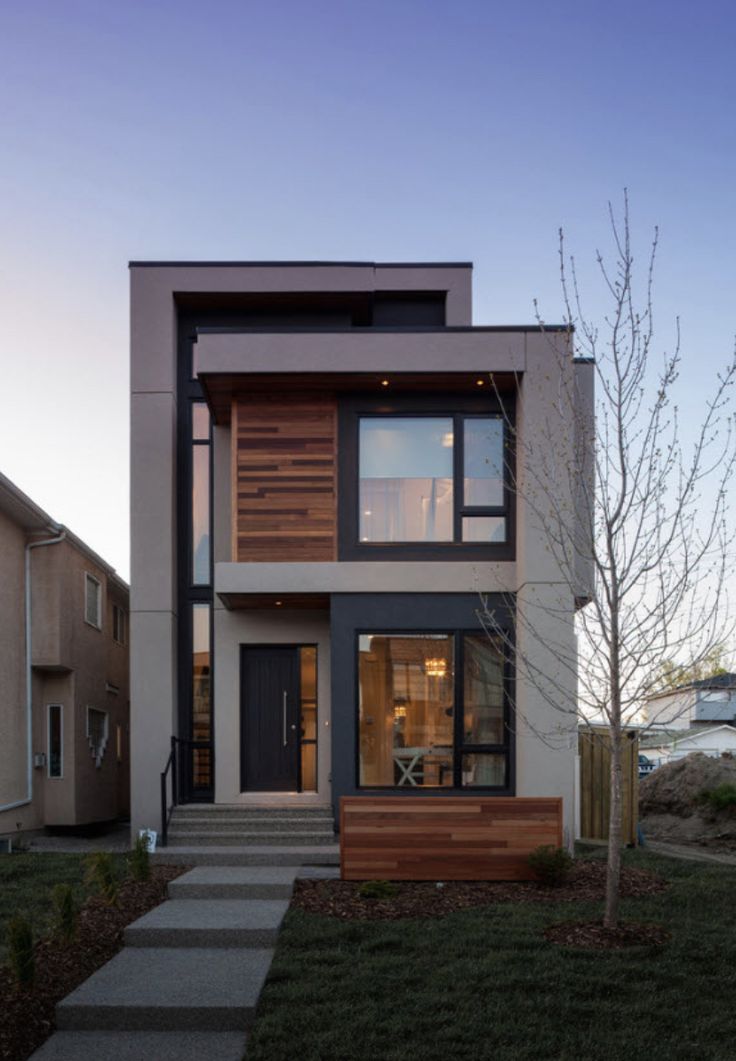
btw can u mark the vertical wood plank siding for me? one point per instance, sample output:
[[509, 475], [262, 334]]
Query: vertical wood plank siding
[[444, 837], [285, 484]]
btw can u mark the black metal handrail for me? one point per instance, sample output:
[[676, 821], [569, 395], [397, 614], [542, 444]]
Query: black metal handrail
[[172, 764]]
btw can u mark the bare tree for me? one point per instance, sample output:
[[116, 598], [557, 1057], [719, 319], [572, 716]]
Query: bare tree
[[638, 528]]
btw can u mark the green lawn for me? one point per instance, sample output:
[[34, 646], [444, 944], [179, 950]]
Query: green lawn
[[485, 984], [26, 882]]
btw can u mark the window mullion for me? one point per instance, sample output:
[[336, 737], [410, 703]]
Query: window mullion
[[458, 498], [459, 711]]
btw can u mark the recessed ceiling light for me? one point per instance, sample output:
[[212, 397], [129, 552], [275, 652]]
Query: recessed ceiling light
[[279, 603], [384, 383], [480, 382]]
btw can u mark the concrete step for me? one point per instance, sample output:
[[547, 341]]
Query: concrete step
[[209, 923], [241, 838], [253, 823], [243, 882], [169, 989], [252, 855], [142, 1046], [223, 810]]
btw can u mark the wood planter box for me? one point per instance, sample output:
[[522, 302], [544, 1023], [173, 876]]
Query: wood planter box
[[444, 837]]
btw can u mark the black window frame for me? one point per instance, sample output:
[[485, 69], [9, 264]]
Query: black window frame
[[459, 408], [459, 746]]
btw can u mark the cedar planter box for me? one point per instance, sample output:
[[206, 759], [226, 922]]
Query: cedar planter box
[[444, 837]]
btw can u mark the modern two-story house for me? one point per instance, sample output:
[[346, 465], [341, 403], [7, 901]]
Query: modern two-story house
[[64, 697], [323, 488]]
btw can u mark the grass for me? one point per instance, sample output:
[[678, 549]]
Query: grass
[[26, 883], [485, 984]]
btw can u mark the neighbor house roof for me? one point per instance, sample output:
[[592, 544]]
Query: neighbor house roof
[[24, 512]]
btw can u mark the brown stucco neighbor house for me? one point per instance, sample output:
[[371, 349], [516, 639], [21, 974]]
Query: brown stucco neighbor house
[[63, 675], [319, 494]]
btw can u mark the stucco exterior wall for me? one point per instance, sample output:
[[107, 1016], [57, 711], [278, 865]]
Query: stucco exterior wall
[[13, 739]]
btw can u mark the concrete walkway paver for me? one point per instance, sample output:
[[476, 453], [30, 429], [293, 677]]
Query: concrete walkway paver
[[143, 1046], [187, 983]]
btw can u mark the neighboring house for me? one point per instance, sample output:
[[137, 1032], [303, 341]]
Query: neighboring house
[[319, 494], [63, 675], [698, 703], [669, 745]]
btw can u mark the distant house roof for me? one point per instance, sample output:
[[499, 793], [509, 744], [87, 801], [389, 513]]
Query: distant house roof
[[716, 681]]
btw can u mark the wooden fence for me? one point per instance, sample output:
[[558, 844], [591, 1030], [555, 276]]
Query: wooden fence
[[595, 797]]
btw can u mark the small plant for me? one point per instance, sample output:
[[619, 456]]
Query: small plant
[[66, 913], [721, 797], [552, 865], [20, 951], [139, 861], [377, 889], [101, 876]]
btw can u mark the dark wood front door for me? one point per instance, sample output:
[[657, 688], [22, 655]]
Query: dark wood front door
[[269, 717]]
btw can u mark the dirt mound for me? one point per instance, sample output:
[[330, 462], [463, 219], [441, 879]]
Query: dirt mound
[[675, 787], [670, 807]]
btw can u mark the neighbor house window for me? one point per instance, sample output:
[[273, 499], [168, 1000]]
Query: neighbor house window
[[97, 730], [118, 624], [55, 740], [421, 727], [92, 601]]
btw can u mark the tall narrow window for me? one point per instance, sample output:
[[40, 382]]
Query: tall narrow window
[[55, 741], [201, 696], [118, 624], [92, 601], [201, 520], [97, 733], [308, 697]]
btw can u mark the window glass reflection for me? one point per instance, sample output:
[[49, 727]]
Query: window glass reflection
[[200, 421], [308, 706], [200, 515], [201, 695], [484, 529], [483, 454], [483, 721], [406, 479], [406, 709]]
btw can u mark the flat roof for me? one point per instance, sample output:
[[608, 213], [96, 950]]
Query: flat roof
[[296, 263]]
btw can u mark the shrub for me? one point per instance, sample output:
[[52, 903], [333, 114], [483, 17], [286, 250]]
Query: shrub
[[20, 951], [720, 797], [551, 864], [66, 913], [101, 875], [377, 889], [139, 860]]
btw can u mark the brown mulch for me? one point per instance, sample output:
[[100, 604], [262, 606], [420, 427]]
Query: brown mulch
[[416, 899], [595, 935], [27, 1016]]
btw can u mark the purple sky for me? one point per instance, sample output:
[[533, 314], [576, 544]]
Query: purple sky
[[382, 130]]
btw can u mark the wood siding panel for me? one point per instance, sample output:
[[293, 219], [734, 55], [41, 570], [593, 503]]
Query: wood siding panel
[[285, 488], [444, 837]]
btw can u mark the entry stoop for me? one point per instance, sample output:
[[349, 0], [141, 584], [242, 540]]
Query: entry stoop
[[271, 834]]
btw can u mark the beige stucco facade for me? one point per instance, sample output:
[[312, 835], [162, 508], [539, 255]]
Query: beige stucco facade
[[545, 724], [74, 665]]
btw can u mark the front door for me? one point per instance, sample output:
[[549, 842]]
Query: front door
[[269, 717]]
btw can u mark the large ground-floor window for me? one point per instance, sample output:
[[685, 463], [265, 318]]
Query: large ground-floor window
[[433, 711]]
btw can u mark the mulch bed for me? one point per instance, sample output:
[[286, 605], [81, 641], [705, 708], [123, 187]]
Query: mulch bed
[[415, 899], [27, 1016], [594, 934]]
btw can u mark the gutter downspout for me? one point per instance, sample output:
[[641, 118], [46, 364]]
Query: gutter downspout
[[29, 664]]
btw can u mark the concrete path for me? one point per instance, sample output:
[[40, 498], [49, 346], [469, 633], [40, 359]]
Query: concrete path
[[187, 982], [689, 854]]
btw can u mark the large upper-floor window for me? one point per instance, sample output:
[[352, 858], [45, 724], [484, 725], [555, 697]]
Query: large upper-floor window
[[92, 601], [424, 481]]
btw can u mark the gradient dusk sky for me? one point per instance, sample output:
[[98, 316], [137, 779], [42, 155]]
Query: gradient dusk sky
[[401, 130]]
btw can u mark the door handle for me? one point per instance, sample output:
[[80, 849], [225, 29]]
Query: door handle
[[284, 719]]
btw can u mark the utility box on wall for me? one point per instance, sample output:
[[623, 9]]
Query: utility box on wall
[[594, 745]]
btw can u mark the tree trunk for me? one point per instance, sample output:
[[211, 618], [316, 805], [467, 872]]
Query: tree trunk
[[613, 874]]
